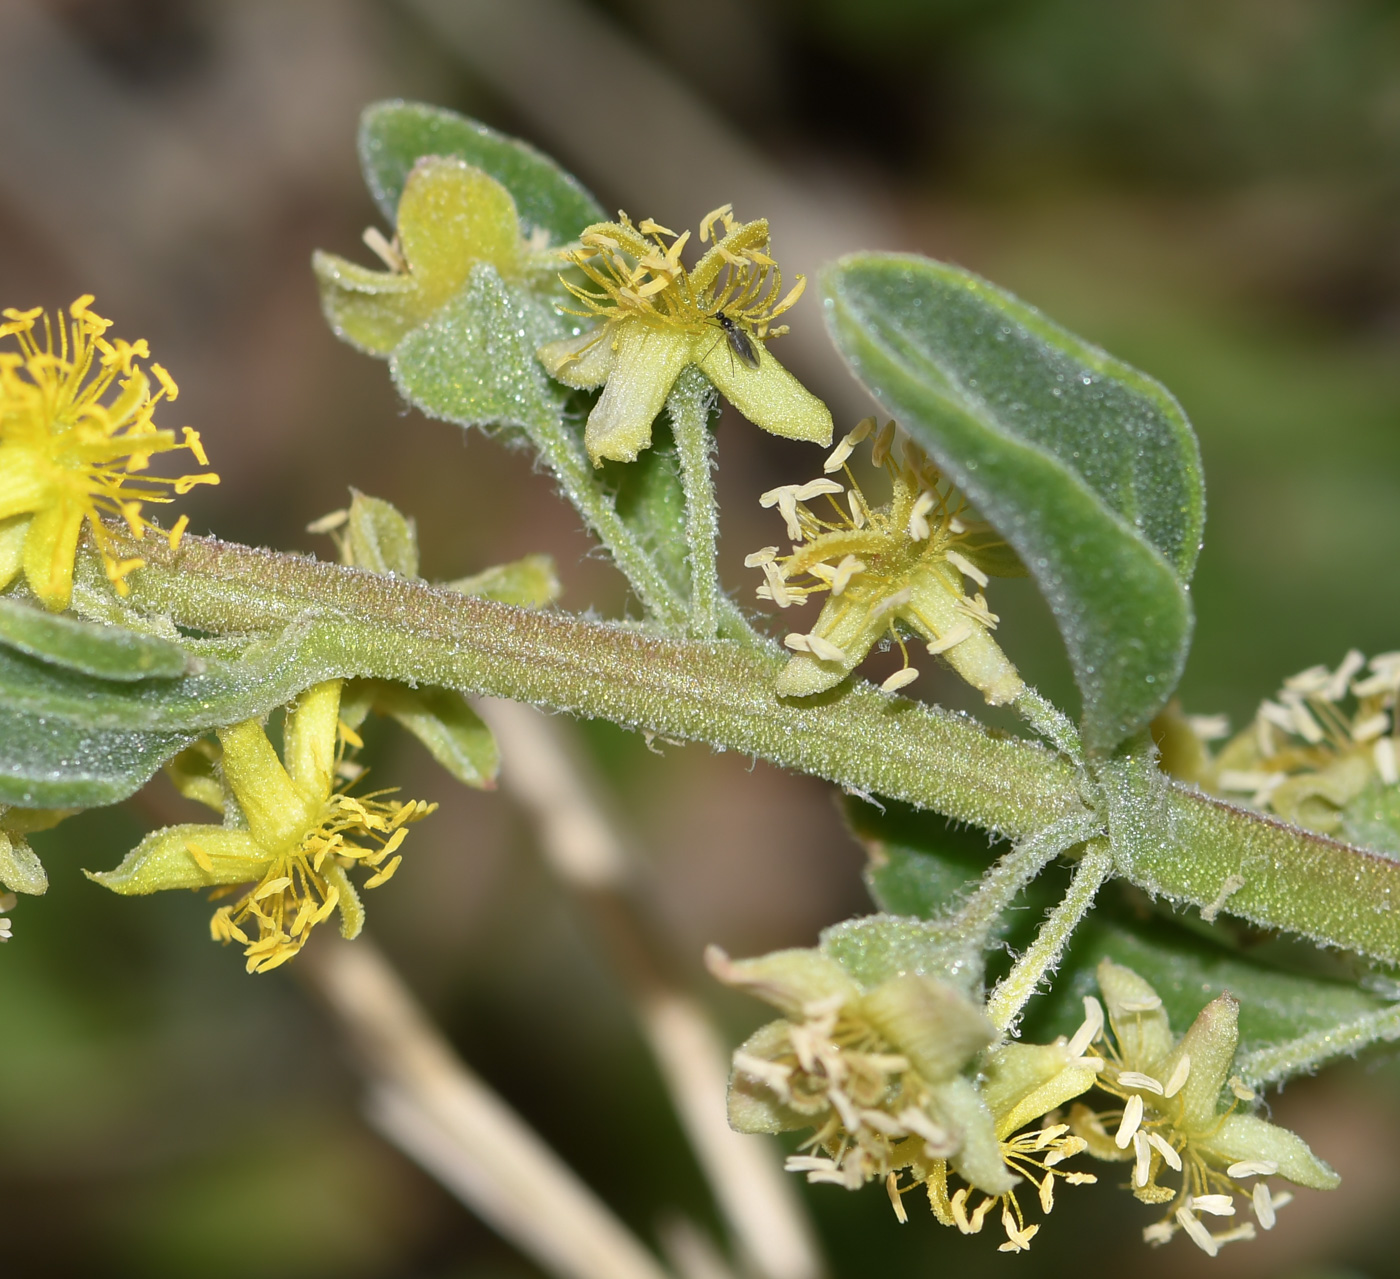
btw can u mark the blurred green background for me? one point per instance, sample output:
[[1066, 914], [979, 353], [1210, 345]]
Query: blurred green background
[[1208, 188]]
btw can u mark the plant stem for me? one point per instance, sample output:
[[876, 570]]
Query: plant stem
[[974, 921], [564, 456], [690, 404], [1051, 723], [1299, 1056], [1043, 956]]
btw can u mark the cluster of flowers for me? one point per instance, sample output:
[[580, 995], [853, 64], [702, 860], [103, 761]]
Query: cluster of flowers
[[908, 1083]]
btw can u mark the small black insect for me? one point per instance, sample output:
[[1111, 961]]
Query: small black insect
[[739, 341]]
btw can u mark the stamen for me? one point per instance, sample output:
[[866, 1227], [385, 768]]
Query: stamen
[[1166, 1150], [1180, 1073], [883, 439], [951, 639], [1158, 1234], [918, 520], [845, 570], [1132, 1120], [1142, 1163], [1387, 765], [900, 679], [1090, 1030], [1216, 1205], [1136, 1079], [765, 556], [1242, 1090], [967, 568], [1252, 1168], [1200, 1236], [1263, 1205], [1370, 728], [896, 1202]]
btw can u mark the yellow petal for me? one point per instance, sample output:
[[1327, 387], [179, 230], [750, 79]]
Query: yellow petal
[[310, 740], [769, 396], [12, 535], [49, 548], [649, 359], [277, 814], [584, 361], [22, 489]]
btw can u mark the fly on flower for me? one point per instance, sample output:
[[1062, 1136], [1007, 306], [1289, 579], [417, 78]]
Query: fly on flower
[[75, 431], [655, 316]]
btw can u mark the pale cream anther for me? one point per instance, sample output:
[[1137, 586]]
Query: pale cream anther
[[824, 650], [896, 1199], [1252, 1168], [1136, 1079], [1387, 762], [1216, 1205], [967, 568], [1164, 1148], [797, 641], [1305, 725], [857, 505], [1371, 727], [918, 527], [777, 585], [891, 602], [884, 438], [845, 570], [1180, 1073], [950, 639], [900, 679], [1198, 1234], [1149, 1004], [1142, 1158], [815, 488], [1132, 1121], [1158, 1233], [1090, 1029], [764, 556], [839, 455], [1242, 1090], [1209, 728], [955, 526], [1336, 686]]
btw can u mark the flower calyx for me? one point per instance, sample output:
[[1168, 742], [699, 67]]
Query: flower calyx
[[654, 316], [889, 572]]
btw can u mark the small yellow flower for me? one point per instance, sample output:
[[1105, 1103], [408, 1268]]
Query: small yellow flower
[[656, 316], [452, 217], [879, 1075], [890, 570], [66, 456], [300, 834], [1323, 740], [1181, 1114]]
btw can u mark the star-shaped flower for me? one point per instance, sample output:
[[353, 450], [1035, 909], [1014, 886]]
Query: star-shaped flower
[[291, 833], [656, 316]]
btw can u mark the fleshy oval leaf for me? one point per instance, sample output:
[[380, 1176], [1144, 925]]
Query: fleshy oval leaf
[[1087, 467]]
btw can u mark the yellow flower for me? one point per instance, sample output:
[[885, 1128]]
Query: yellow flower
[[1323, 741], [66, 456], [1173, 1119], [890, 569], [299, 834], [879, 1075], [656, 317], [451, 217]]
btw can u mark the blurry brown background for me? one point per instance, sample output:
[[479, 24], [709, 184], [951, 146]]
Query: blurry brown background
[[1208, 188]]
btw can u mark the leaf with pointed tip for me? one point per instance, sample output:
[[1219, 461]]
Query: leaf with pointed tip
[[1088, 468], [394, 135], [102, 651]]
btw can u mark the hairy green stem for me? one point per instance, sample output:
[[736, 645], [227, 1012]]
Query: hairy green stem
[[1168, 839], [564, 456], [978, 916], [689, 407], [1277, 1062], [1043, 955]]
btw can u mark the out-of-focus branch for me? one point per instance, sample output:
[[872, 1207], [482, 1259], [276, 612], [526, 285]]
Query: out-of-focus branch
[[758, 1203], [426, 1101]]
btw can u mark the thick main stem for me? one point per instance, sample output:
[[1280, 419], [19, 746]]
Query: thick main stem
[[690, 404], [1043, 956]]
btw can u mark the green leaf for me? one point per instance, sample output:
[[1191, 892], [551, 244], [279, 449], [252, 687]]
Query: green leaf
[[393, 135], [474, 362], [379, 537], [46, 762], [529, 582], [922, 867], [1087, 467], [444, 722], [105, 652], [651, 501]]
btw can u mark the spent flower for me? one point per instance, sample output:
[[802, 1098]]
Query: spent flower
[[887, 571], [1181, 1115], [76, 435], [655, 316], [292, 832]]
